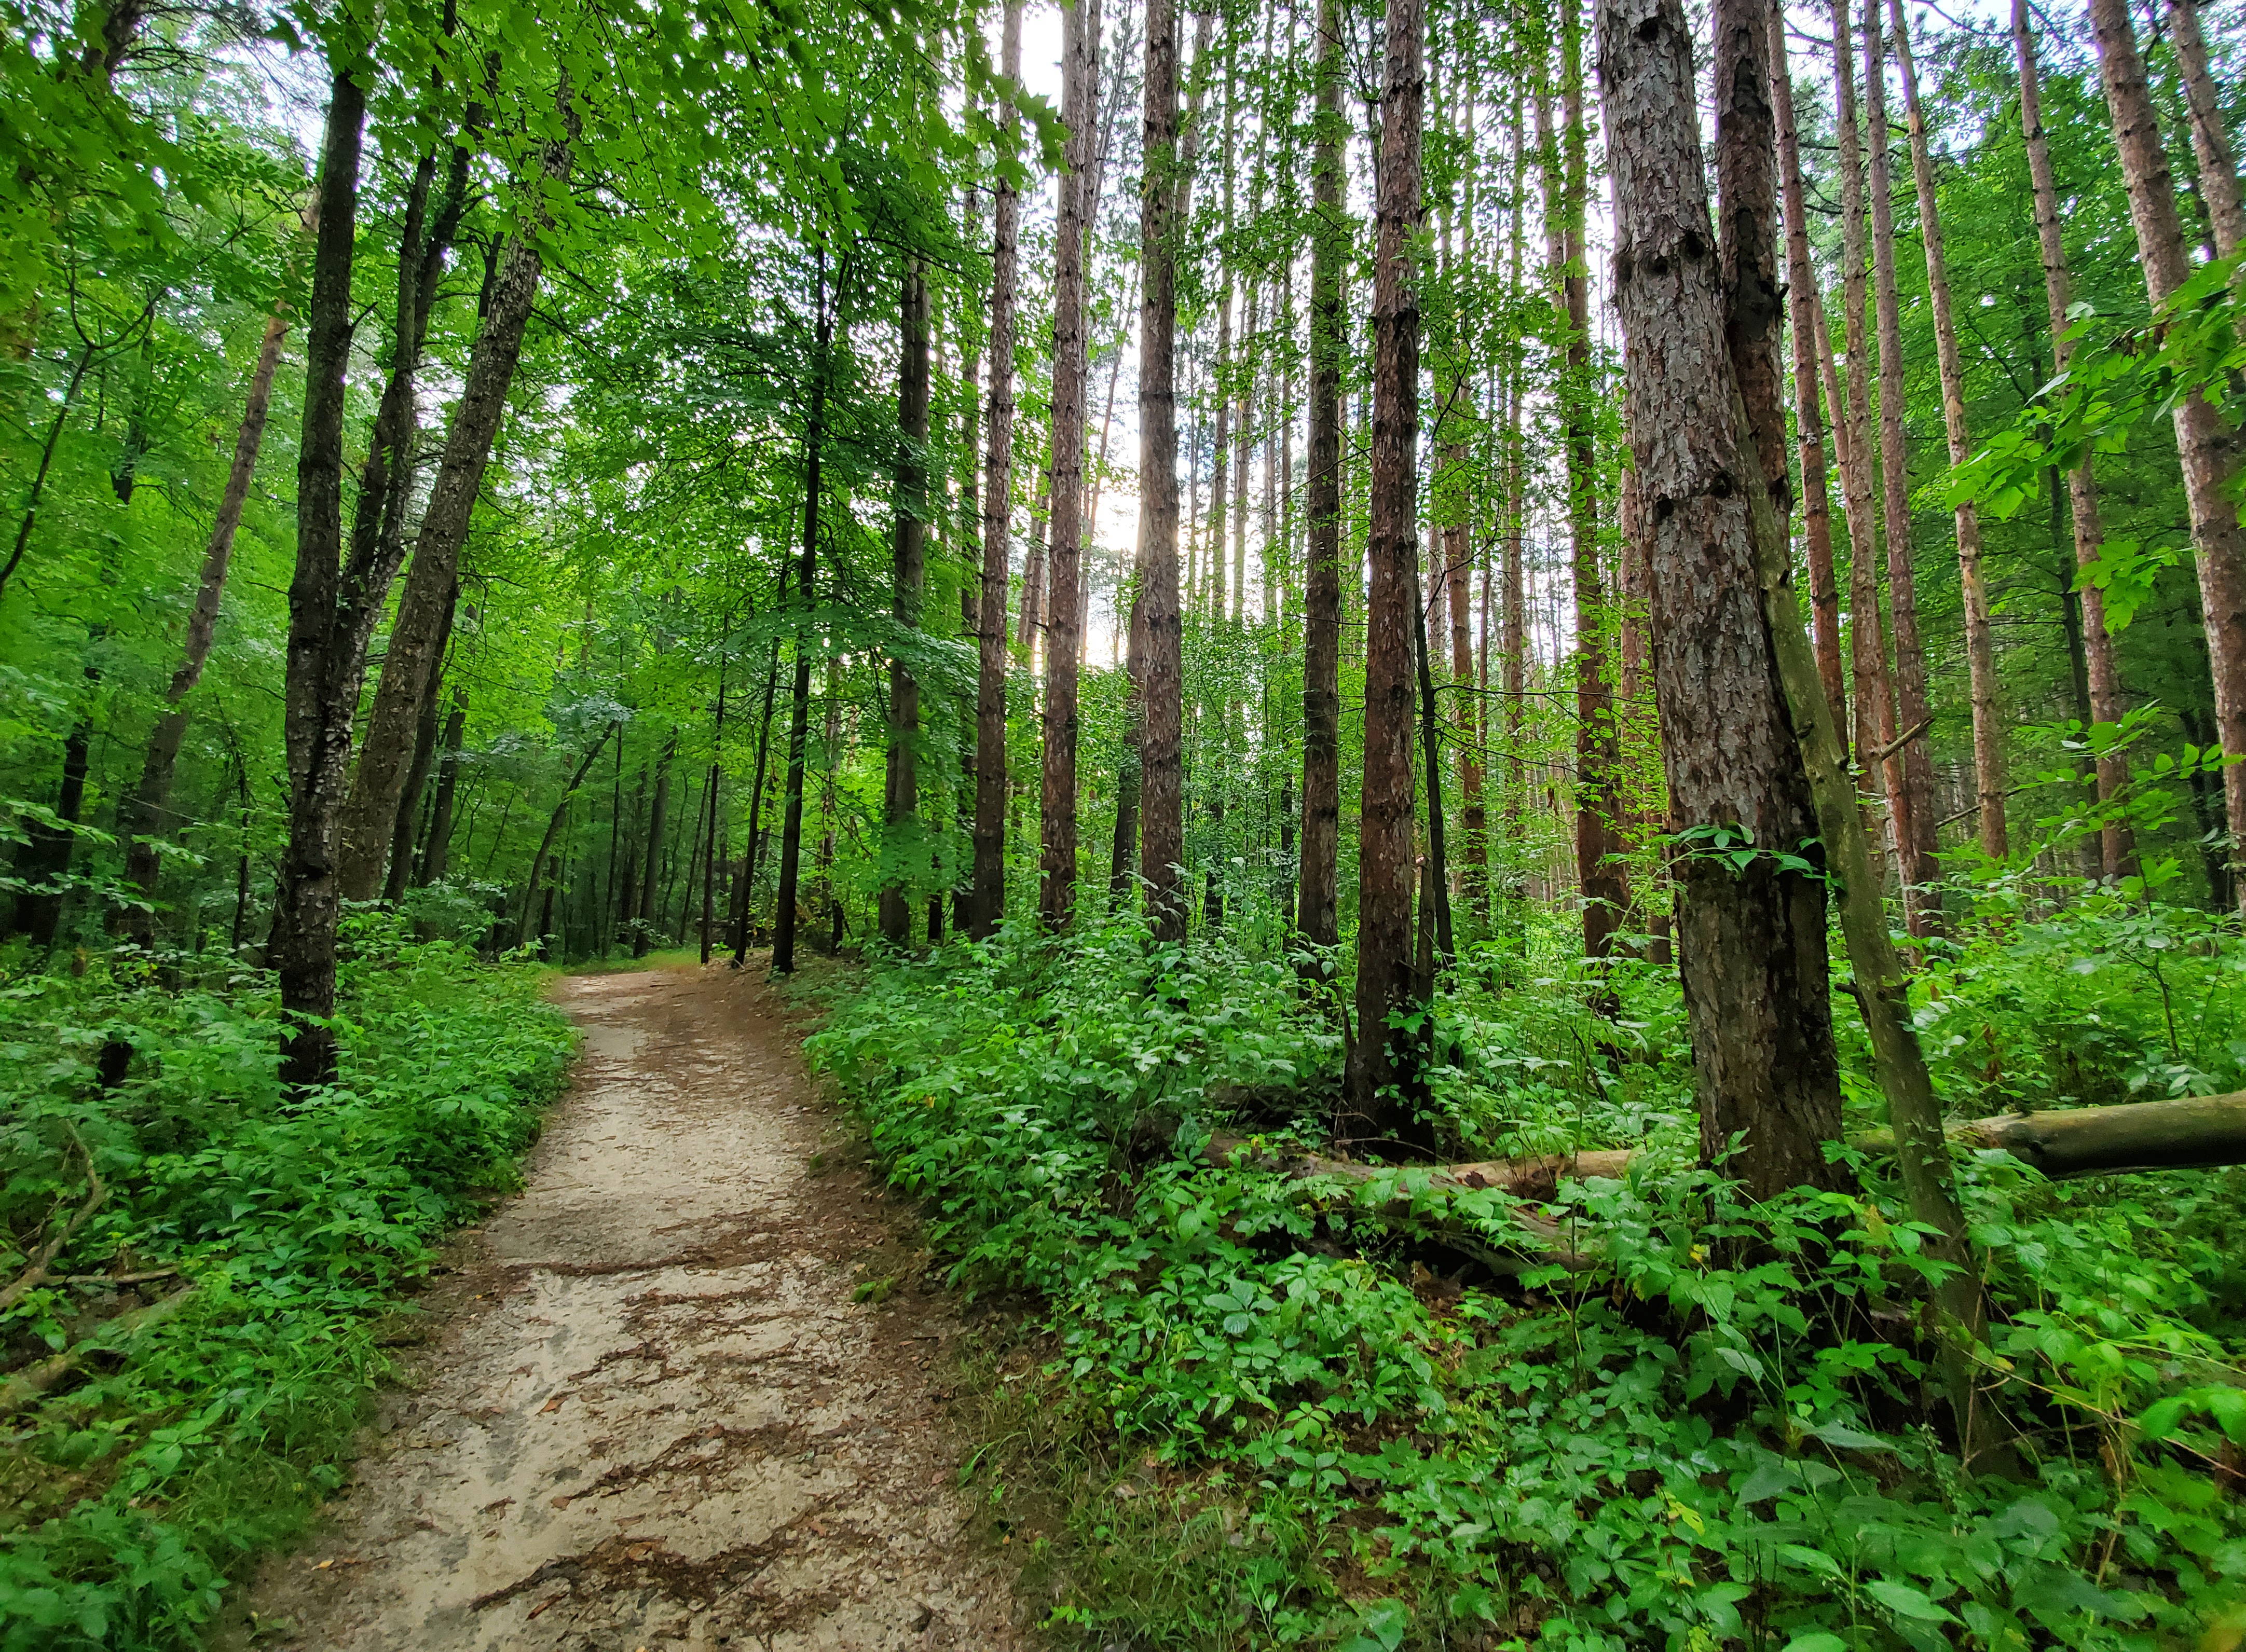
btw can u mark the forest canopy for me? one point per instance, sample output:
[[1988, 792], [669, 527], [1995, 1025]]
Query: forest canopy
[[1525, 725]]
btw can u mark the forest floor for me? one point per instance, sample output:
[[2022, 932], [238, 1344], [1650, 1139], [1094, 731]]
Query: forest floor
[[649, 1410]]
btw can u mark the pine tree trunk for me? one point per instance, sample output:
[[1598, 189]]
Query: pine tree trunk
[[2209, 448], [2210, 137], [900, 804], [1914, 804], [791, 837], [989, 870], [1801, 283], [1384, 1077], [1874, 730], [1057, 852], [1980, 645], [2101, 670], [1318, 896], [1161, 800]]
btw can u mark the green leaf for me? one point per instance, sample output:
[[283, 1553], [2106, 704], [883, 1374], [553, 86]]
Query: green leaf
[[1906, 1603]]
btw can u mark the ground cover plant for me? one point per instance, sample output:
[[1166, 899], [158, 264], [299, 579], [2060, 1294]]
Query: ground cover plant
[[1273, 1413], [234, 1254]]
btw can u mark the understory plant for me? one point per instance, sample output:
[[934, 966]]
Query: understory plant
[[211, 1331], [1647, 1413]]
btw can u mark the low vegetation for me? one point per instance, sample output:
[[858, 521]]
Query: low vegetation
[[237, 1255]]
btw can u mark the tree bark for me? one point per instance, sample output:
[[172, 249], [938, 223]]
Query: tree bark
[[410, 661], [1914, 803], [1317, 896], [148, 814], [2211, 138], [989, 836], [650, 882], [1752, 938], [1875, 729], [901, 804], [324, 670], [408, 825], [791, 835], [1384, 1077], [1161, 825], [448, 776], [1801, 283], [1696, 464], [1057, 851], [2117, 849], [2209, 447], [1980, 644]]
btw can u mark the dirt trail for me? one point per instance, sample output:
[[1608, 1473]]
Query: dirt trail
[[652, 1416]]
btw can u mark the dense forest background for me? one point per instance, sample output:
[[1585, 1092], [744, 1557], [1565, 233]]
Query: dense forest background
[[1646, 607]]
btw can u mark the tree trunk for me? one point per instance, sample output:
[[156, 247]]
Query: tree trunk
[[2117, 849], [1875, 729], [712, 788], [2211, 138], [1980, 645], [408, 825], [745, 905], [791, 835], [553, 830], [650, 882], [1752, 939], [148, 815], [1801, 283], [1914, 804], [1162, 709], [900, 804], [323, 678], [1384, 1077], [1057, 852], [1317, 897], [448, 774], [2209, 447], [410, 661], [989, 872], [1437, 948]]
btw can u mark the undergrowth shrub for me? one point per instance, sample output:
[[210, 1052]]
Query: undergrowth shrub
[[267, 1237], [1285, 1427]]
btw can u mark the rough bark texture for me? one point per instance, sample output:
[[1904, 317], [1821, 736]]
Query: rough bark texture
[[1317, 890], [1913, 805], [990, 835], [148, 814], [1162, 821], [410, 659], [1071, 365], [328, 605], [2117, 850], [900, 800], [1753, 940], [1980, 644], [791, 839], [2209, 447], [1383, 1066], [1801, 283], [1875, 701], [2211, 138]]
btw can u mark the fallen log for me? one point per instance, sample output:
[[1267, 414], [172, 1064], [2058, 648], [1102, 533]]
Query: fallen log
[[2190, 1133], [26, 1387]]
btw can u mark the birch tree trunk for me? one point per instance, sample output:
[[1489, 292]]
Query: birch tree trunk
[[2117, 849], [2209, 449]]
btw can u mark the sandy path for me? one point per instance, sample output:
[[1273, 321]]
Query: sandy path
[[652, 1416]]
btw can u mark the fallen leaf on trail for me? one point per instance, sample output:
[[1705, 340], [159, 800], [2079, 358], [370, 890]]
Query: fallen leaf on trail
[[554, 1404]]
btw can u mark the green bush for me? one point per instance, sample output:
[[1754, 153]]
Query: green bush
[[1718, 1434], [296, 1222]]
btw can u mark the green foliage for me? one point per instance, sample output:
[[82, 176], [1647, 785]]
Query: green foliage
[[1717, 1432], [292, 1225]]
